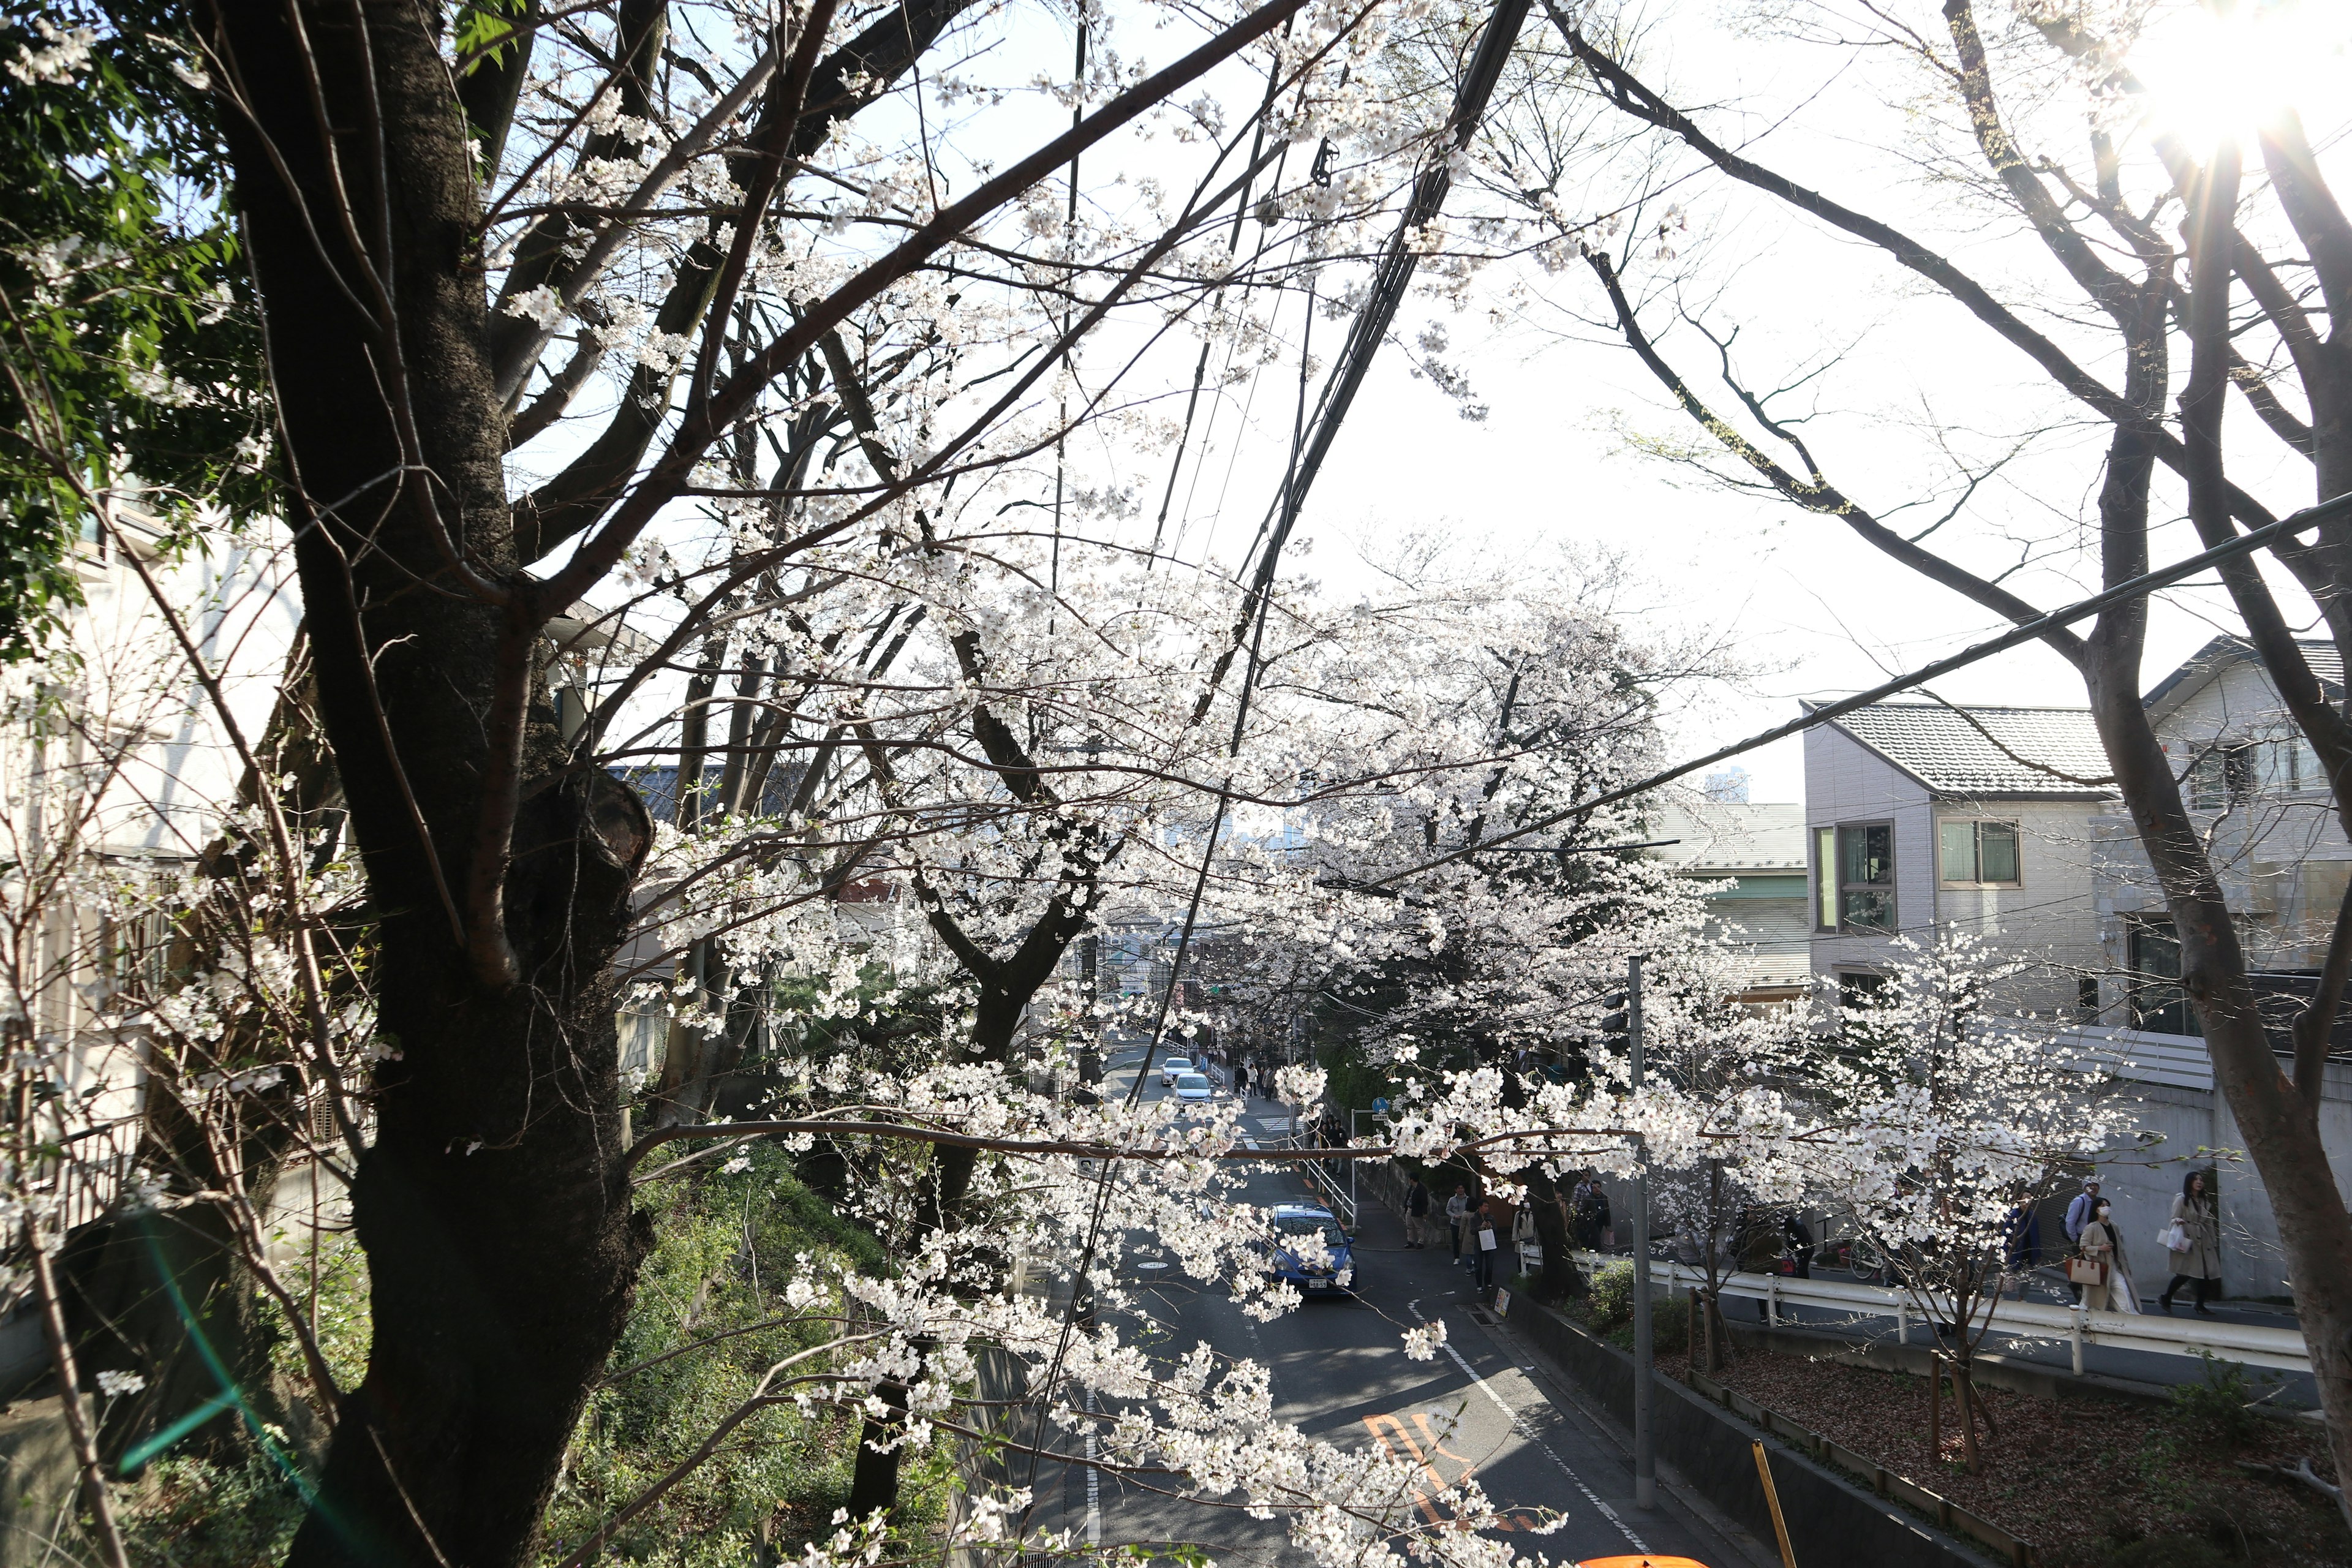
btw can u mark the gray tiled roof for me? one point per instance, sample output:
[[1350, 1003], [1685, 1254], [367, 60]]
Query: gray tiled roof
[[1981, 751], [2218, 655]]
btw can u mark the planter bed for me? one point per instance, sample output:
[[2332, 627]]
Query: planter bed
[[2093, 1483]]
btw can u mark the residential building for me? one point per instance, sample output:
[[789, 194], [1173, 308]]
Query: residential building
[[2256, 791], [1752, 855], [1922, 817]]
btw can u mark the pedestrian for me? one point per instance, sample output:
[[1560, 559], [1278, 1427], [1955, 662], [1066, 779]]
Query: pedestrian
[[1800, 1242], [1482, 1254], [2078, 1214], [1596, 1214], [1241, 1079], [1416, 1214], [2021, 1244], [2095, 1242], [2193, 1238], [1457, 1209], [2122, 1295]]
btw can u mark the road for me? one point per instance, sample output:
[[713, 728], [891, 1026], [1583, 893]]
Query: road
[[1339, 1373]]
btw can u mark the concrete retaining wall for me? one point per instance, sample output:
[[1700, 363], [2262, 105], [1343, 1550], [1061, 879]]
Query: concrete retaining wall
[[1830, 1520]]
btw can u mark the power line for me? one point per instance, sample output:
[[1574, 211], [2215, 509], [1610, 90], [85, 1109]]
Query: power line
[[2245, 543]]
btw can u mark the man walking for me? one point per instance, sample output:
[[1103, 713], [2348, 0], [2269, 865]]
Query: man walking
[[1457, 1209], [2078, 1214], [1483, 1245], [1416, 1214]]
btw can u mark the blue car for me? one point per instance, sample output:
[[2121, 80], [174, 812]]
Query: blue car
[[1306, 1220]]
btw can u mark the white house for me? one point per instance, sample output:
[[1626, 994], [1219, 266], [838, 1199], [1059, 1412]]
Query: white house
[[1922, 815], [1998, 820], [2254, 789]]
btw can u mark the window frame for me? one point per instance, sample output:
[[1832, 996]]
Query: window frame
[[1830, 887], [1977, 824], [2223, 774]]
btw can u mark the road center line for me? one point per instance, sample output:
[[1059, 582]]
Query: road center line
[[1527, 1433], [1094, 1481]]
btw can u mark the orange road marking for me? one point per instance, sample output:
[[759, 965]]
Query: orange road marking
[[1374, 1423]]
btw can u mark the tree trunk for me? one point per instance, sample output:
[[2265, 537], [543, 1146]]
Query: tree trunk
[[493, 1205], [1559, 1281]]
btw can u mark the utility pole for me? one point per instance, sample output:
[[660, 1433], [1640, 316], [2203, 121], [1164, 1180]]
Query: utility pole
[[1645, 1432], [1090, 1065]]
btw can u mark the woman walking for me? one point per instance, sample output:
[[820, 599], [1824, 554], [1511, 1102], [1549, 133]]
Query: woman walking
[[2098, 1245], [2123, 1296], [2194, 1239]]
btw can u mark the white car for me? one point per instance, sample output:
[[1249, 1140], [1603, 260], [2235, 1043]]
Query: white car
[[1194, 1088], [1175, 1067]]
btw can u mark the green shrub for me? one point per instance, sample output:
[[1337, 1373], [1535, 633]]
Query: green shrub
[[2224, 1407], [1612, 1303], [1609, 1310], [190, 1513]]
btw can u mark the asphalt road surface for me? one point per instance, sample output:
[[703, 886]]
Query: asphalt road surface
[[1340, 1373]]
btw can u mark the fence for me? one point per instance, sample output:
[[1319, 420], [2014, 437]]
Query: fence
[[2248, 1343]]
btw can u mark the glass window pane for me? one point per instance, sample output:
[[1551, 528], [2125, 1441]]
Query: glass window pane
[[1959, 846], [1997, 851], [1870, 907], [2308, 775], [2206, 789], [1881, 840], [1825, 871]]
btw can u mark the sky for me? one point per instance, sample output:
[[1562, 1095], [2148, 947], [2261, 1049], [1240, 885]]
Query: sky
[[1804, 608], [1901, 379]]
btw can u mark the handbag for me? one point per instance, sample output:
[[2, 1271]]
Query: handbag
[[1486, 1240], [2175, 1237], [2086, 1271]]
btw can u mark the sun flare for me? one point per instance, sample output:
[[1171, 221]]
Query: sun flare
[[2212, 69]]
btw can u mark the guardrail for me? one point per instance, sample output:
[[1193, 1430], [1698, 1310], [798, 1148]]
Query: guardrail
[[2247, 1343], [1335, 1188]]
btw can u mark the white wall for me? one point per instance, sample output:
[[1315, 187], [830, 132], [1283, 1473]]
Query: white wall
[[2176, 1100], [1847, 783], [2050, 915]]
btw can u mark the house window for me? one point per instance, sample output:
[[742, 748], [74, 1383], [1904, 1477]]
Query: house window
[[2287, 765], [1978, 854], [1855, 871], [1860, 988], [2222, 776], [2157, 1002]]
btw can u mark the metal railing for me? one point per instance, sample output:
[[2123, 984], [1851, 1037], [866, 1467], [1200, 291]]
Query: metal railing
[[2248, 1343]]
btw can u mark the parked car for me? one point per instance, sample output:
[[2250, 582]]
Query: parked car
[[1194, 1088], [1294, 1223], [1175, 1067]]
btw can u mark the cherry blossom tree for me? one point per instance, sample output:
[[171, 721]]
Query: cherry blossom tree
[[1939, 1117]]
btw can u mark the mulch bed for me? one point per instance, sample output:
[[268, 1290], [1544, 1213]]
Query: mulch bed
[[2095, 1483]]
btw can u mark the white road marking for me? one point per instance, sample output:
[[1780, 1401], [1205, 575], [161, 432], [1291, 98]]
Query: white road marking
[[1094, 1481], [1527, 1433]]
